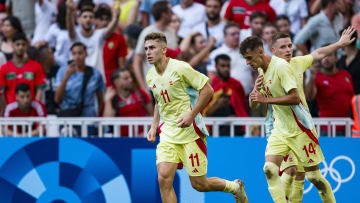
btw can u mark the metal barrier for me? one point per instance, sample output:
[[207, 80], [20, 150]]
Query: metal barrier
[[50, 126]]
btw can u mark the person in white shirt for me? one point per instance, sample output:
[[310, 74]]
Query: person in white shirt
[[190, 14], [239, 69], [45, 15], [94, 39], [296, 10], [268, 31], [257, 22], [213, 26]]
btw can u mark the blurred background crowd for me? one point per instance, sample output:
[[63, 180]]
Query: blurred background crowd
[[85, 58]]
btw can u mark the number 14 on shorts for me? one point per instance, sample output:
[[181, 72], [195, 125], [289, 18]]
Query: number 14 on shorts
[[309, 149]]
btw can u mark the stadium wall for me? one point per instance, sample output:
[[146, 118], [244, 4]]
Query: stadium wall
[[123, 170]]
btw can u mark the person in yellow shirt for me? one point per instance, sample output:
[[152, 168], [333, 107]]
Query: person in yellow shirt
[[293, 173], [293, 128], [180, 93]]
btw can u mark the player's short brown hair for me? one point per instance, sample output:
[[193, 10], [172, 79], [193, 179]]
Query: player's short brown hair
[[279, 35], [156, 36], [251, 43]]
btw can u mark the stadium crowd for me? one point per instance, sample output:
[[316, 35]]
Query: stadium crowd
[[86, 58]]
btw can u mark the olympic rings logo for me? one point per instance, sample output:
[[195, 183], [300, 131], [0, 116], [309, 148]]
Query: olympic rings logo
[[334, 173]]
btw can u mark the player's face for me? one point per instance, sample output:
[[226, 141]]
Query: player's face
[[86, 20], [20, 47], [78, 54], [268, 32], [329, 61], [154, 51], [223, 69], [283, 25], [213, 9], [283, 48], [125, 81], [23, 99], [257, 25], [254, 58]]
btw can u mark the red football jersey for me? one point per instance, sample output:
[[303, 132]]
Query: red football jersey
[[114, 48], [239, 11], [334, 93], [30, 73]]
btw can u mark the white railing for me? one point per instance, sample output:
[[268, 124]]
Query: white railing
[[50, 126]]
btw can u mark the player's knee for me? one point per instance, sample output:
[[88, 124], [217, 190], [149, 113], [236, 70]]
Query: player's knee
[[291, 171], [199, 186], [270, 169], [164, 181], [316, 178]]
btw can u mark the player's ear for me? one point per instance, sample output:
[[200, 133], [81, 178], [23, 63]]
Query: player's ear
[[273, 50]]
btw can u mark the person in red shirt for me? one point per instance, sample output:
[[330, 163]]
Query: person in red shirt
[[114, 50], [126, 101], [24, 106], [333, 90], [21, 69], [239, 11]]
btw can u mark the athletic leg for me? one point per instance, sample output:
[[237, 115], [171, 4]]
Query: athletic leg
[[297, 189], [166, 173], [271, 170], [287, 179], [325, 191]]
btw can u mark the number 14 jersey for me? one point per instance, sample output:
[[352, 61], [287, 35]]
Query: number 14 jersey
[[176, 91]]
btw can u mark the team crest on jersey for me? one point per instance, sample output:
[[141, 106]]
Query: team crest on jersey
[[154, 86], [270, 82], [170, 82], [300, 75]]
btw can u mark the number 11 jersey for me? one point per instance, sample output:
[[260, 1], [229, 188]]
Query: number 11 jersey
[[176, 92]]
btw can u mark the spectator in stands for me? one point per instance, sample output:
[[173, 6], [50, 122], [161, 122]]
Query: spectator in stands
[[58, 37], [239, 11], [126, 101], [94, 39], [213, 26], [11, 26], [69, 82], [296, 11], [257, 22], [175, 24], [351, 63], [186, 11], [132, 33], [45, 14], [129, 11], [85, 4], [322, 28], [268, 31], [25, 12], [333, 90], [229, 97], [162, 14], [239, 69], [147, 17], [21, 69], [24, 106], [114, 49], [195, 50], [47, 60], [283, 23], [3, 15]]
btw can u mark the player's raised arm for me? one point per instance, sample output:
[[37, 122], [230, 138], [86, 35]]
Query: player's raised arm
[[151, 135], [205, 95], [292, 98], [345, 40]]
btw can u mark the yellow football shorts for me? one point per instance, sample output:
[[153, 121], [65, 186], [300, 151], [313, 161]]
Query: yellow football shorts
[[291, 160], [306, 149], [192, 155]]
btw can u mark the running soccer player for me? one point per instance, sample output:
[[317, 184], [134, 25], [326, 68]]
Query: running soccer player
[[293, 175], [293, 130], [180, 93]]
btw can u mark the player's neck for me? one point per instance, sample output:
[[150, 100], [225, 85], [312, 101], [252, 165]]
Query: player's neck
[[161, 65], [266, 64]]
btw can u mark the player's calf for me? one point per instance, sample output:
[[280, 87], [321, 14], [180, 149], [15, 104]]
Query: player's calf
[[274, 183], [323, 186]]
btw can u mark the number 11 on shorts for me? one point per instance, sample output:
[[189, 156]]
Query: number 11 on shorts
[[310, 149], [192, 157]]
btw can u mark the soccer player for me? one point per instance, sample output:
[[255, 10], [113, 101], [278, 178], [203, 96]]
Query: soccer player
[[282, 47], [294, 129], [180, 93]]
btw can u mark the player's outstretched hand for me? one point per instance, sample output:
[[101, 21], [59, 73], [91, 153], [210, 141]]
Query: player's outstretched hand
[[185, 121], [256, 96], [151, 135], [345, 38]]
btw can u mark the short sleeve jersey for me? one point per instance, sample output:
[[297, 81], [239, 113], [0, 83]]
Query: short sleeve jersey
[[176, 92], [30, 73], [278, 81]]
